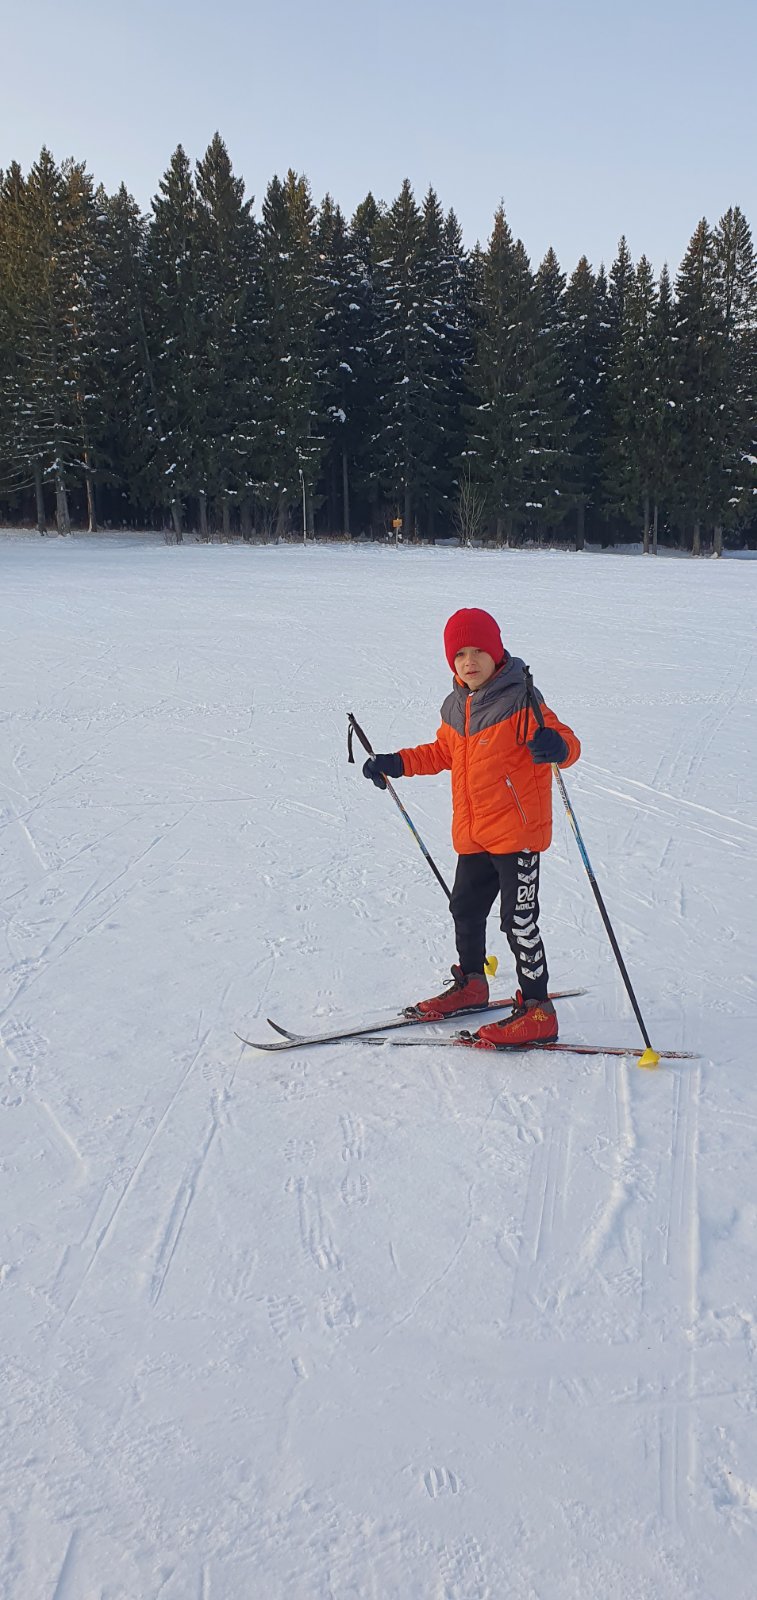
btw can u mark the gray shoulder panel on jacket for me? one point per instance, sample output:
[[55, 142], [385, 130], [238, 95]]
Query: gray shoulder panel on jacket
[[502, 697]]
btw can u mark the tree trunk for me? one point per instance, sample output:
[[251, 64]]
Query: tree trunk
[[40, 496], [204, 534], [499, 535], [407, 528], [718, 545], [62, 517], [245, 519], [282, 517], [91, 506], [654, 527], [345, 495], [646, 522], [225, 522], [176, 518], [696, 539], [580, 525]]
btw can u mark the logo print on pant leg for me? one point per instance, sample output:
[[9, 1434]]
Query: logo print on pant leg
[[525, 931]]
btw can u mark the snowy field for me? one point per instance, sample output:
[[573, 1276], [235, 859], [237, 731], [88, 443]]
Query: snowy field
[[365, 1323]]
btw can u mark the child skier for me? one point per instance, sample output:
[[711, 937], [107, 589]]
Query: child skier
[[500, 760]]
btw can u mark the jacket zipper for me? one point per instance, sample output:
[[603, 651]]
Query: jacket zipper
[[514, 792], [465, 755]]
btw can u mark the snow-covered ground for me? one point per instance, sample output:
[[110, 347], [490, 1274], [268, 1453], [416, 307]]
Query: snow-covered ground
[[362, 1323]]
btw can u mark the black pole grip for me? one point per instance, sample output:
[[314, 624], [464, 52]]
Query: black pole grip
[[531, 700]]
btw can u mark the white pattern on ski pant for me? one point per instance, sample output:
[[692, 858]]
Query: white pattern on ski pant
[[524, 930]]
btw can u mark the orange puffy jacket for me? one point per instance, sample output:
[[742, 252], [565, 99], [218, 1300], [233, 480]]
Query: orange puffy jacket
[[501, 799]]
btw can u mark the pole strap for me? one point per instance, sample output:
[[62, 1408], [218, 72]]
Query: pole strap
[[353, 726]]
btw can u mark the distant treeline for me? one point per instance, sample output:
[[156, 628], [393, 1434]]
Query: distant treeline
[[209, 369]]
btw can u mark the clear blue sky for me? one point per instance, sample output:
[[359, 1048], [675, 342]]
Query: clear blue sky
[[587, 117]]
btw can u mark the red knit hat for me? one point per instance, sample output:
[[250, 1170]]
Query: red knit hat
[[475, 630]]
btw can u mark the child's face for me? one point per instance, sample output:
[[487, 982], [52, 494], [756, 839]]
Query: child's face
[[475, 667]]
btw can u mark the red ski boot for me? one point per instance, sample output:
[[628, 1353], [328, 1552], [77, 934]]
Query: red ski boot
[[531, 1022], [469, 991]]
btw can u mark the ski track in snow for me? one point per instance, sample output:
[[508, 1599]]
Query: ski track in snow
[[352, 1322]]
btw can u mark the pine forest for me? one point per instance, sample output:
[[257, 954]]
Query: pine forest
[[211, 371]]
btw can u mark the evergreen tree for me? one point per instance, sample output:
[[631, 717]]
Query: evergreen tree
[[500, 380], [701, 385], [17, 459], [451, 315], [292, 440], [619, 286], [664, 433], [617, 289], [173, 318], [421, 348], [585, 356], [400, 347], [643, 428], [230, 317], [630, 440], [84, 238], [439, 354], [134, 427], [550, 470], [45, 431], [51, 278], [470, 504], [360, 435], [347, 264], [338, 289], [736, 280], [458, 302]]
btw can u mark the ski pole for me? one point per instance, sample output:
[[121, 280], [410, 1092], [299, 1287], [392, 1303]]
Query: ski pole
[[354, 727], [491, 962], [650, 1057]]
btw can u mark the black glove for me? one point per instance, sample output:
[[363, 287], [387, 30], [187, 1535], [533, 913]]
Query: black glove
[[376, 766], [547, 745]]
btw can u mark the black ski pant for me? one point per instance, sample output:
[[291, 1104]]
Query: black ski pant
[[515, 878]]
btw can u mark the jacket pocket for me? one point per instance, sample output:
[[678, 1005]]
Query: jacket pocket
[[516, 798]]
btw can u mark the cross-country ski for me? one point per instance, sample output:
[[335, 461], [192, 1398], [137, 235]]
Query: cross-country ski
[[340, 1035], [434, 1038], [469, 1041]]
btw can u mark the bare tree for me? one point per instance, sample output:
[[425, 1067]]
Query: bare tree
[[470, 506]]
